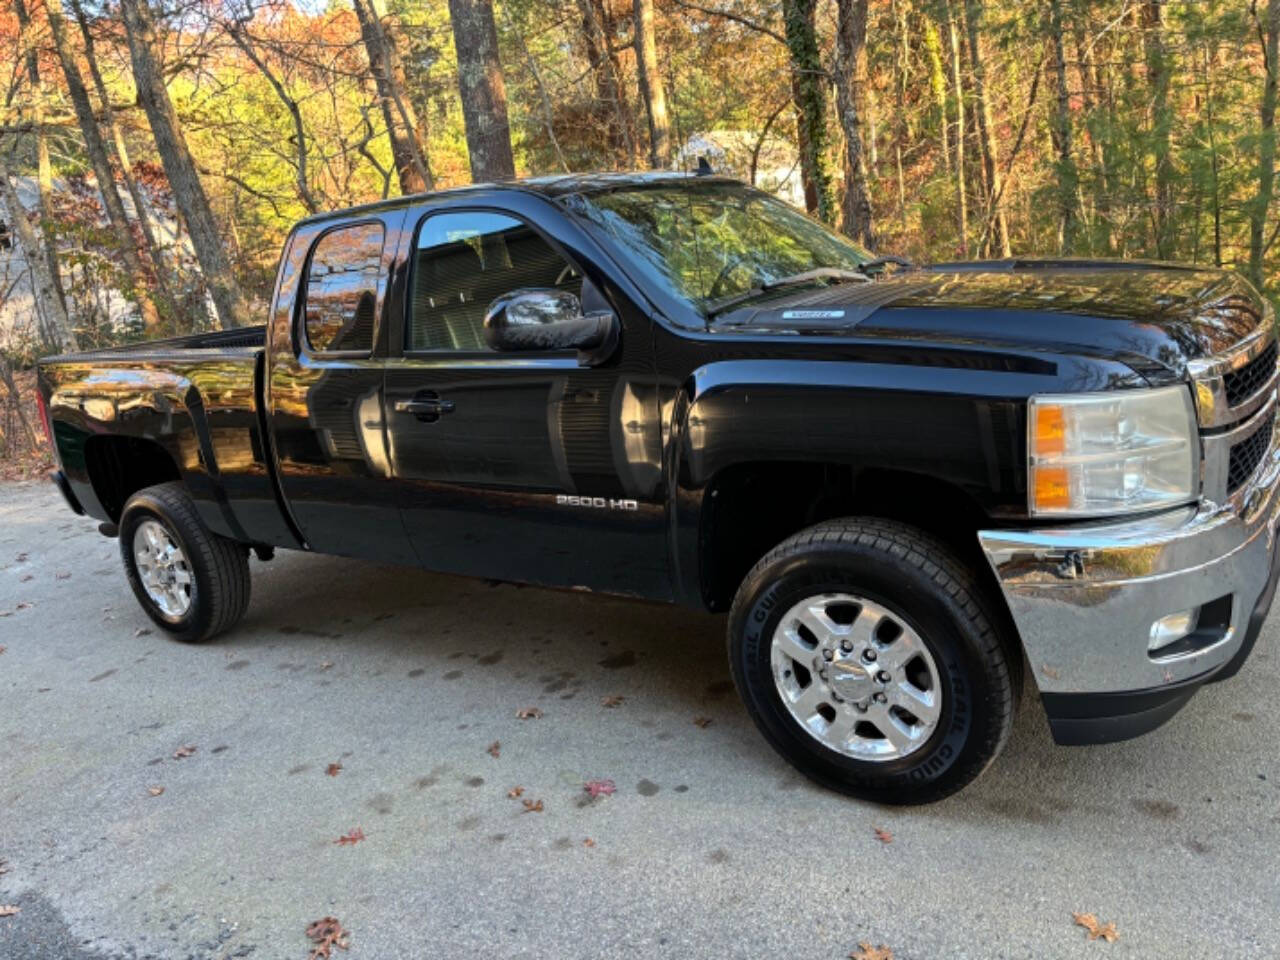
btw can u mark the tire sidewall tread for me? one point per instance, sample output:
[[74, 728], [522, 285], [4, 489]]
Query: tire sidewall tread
[[219, 566], [920, 578]]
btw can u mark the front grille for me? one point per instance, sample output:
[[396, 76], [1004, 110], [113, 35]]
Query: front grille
[[1248, 453], [1242, 384]]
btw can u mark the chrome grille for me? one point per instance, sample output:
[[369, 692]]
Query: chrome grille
[[1247, 454], [1242, 384]]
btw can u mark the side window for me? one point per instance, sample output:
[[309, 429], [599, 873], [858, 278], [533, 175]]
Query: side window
[[463, 262], [342, 289]]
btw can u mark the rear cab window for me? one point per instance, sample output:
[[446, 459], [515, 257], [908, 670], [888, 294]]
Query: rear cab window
[[341, 294]]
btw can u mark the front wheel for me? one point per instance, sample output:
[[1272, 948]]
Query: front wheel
[[192, 582], [865, 653]]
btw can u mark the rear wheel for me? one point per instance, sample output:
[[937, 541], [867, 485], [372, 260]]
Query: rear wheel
[[192, 582], [865, 653]]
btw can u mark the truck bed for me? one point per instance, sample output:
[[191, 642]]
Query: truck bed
[[244, 341], [193, 399]]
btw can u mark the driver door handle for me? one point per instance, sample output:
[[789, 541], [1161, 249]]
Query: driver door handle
[[426, 405]]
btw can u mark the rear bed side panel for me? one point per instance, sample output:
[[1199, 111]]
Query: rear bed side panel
[[196, 404], [958, 424]]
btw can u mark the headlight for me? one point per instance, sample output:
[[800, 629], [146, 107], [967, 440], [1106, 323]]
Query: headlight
[[1103, 453]]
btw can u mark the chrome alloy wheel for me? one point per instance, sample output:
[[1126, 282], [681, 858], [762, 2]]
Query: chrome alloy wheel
[[162, 568], [856, 676]]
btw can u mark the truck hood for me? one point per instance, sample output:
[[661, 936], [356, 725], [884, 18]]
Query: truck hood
[[1138, 312]]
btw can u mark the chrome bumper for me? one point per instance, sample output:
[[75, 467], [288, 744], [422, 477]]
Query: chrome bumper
[[1084, 597]]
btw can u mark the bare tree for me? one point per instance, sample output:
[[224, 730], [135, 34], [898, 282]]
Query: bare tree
[[42, 288], [44, 170], [96, 147], [107, 113], [403, 127], [998, 227], [237, 29], [179, 167], [1152, 18], [484, 93], [851, 63], [651, 90], [1068, 180]]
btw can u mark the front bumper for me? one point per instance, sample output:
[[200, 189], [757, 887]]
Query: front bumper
[[1084, 598]]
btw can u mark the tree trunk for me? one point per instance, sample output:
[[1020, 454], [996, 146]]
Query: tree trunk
[[1267, 147], [604, 69], [962, 208], [655, 98], [1092, 93], [851, 63], [140, 208], [938, 85], [998, 227], [484, 93], [406, 134], [1152, 14], [44, 171], [42, 288], [807, 90], [96, 147], [1068, 178], [179, 167]]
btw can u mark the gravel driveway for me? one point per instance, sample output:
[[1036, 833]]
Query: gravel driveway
[[711, 846]]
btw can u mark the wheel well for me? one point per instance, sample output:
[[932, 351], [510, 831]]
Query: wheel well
[[751, 508], [121, 466]]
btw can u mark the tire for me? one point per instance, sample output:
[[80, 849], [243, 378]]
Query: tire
[[210, 592], [881, 576]]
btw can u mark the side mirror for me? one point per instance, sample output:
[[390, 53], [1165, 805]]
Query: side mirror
[[544, 319]]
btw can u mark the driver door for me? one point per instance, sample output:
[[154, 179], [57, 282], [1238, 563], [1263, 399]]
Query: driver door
[[515, 465]]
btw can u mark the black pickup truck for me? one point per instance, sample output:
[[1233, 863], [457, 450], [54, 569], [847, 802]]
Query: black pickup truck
[[901, 484]]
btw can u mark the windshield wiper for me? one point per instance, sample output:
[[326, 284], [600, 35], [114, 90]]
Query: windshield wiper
[[794, 280]]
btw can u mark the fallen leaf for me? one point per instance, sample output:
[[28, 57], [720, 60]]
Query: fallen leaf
[[63, 574], [4, 867], [141, 631], [332, 769], [350, 838], [600, 788], [588, 842], [26, 577], [326, 664], [866, 951], [325, 933], [515, 792], [3, 648], [24, 605], [8, 909], [702, 722], [532, 806], [183, 752], [155, 791], [1089, 921], [20, 558], [528, 713], [494, 749], [884, 836], [613, 700]]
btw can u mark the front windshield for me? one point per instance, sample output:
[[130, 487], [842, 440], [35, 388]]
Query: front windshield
[[707, 243]]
